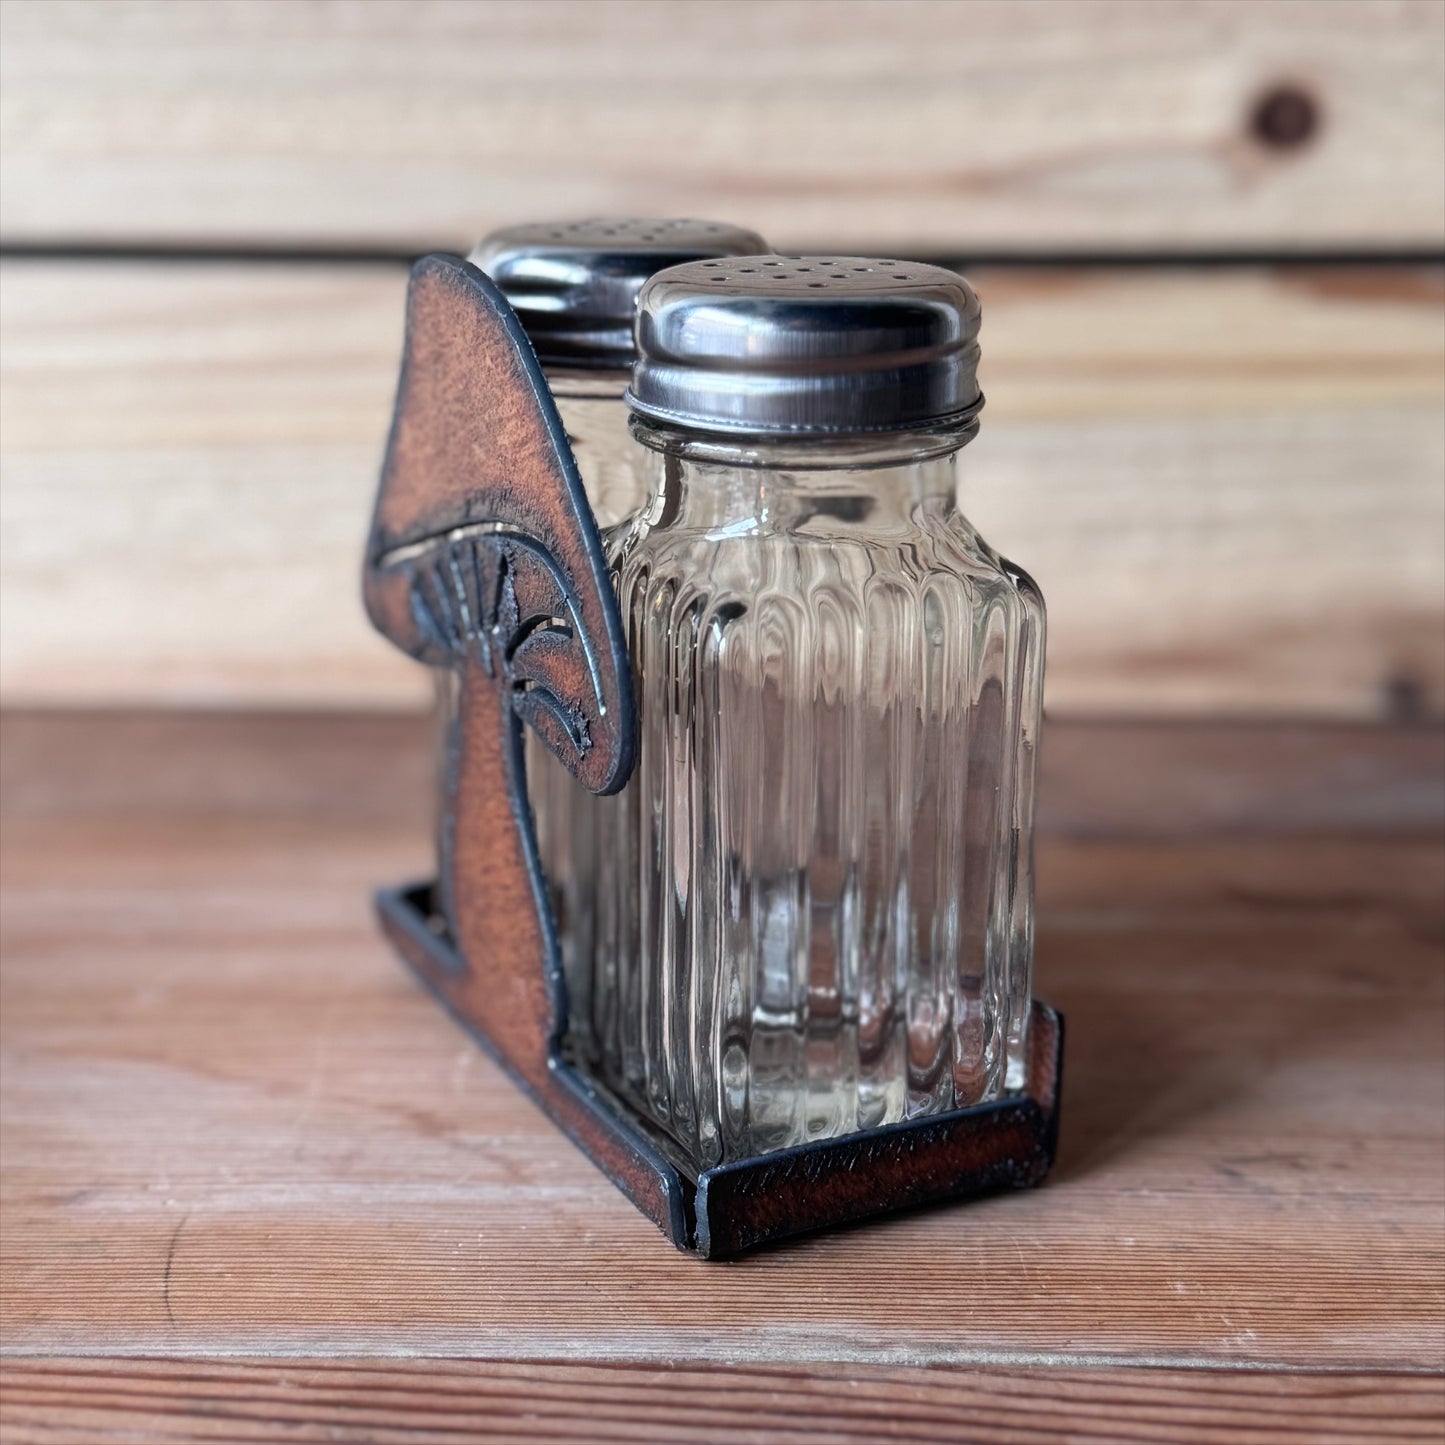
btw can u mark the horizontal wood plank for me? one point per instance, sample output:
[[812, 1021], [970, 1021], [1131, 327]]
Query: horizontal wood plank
[[876, 125], [1227, 483], [233, 1126], [1098, 779], [438, 1402]]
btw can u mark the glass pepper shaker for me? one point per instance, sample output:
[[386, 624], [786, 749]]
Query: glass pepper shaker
[[816, 893], [574, 286]]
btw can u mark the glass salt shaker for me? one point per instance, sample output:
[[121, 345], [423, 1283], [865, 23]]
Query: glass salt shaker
[[816, 894], [574, 287]]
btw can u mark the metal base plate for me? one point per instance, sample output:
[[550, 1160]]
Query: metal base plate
[[728, 1210]]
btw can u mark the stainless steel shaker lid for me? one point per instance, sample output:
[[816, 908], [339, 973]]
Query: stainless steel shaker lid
[[574, 284], [806, 344]]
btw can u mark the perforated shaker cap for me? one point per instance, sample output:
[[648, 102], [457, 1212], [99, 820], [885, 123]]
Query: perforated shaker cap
[[574, 284], [803, 345]]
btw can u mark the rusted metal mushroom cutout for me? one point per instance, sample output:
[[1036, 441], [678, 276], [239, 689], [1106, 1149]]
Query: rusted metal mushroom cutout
[[484, 561]]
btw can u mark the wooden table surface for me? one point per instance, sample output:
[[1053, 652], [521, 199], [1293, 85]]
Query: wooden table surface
[[256, 1186]]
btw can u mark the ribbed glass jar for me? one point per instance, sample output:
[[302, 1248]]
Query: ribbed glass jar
[[612, 467], [815, 896], [574, 286]]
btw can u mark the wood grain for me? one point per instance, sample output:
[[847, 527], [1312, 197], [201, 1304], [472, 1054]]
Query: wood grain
[[437, 1402], [870, 125], [233, 1127], [1099, 780], [1227, 483]]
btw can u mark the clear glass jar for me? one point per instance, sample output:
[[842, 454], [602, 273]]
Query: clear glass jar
[[563, 812], [574, 286], [815, 899], [612, 469]]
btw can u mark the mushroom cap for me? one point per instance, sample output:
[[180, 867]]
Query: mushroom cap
[[482, 546]]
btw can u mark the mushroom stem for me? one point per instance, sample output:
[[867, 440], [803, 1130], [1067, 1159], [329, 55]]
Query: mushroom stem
[[493, 895]]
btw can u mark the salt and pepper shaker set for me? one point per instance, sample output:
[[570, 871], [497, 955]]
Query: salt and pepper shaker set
[[734, 852], [810, 911]]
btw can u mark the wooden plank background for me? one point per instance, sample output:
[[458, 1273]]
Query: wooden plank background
[[876, 124], [1228, 482]]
